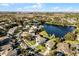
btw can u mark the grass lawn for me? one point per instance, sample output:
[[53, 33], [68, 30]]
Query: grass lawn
[[72, 42], [45, 34], [42, 48]]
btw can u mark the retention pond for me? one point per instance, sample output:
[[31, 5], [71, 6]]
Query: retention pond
[[59, 31]]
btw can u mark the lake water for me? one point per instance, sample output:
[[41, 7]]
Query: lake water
[[58, 31]]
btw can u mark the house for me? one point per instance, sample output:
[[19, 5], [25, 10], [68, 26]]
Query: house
[[64, 47], [40, 40], [75, 48], [50, 44], [4, 40], [12, 30], [12, 53], [40, 27], [72, 20], [6, 49], [77, 37], [26, 35], [24, 46], [2, 32], [33, 29]]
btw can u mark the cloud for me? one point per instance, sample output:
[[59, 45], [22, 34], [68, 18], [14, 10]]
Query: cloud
[[33, 7], [55, 8], [71, 9], [38, 5], [19, 9], [60, 9], [4, 4]]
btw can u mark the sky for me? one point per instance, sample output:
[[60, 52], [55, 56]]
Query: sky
[[40, 7]]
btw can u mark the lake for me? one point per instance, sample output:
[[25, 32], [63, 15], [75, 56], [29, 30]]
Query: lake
[[58, 31]]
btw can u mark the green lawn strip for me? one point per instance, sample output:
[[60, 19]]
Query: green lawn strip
[[72, 42], [45, 34], [40, 47], [32, 42], [19, 46]]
